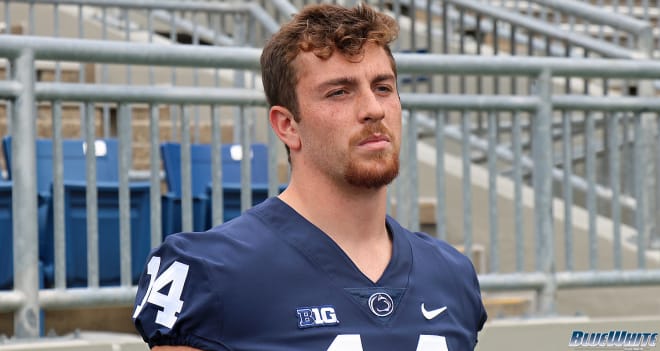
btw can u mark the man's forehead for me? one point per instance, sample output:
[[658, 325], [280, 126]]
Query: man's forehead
[[375, 62]]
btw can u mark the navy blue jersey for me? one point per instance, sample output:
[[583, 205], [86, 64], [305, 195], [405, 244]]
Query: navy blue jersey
[[271, 280]]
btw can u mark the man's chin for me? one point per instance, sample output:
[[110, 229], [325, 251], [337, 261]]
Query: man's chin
[[371, 179]]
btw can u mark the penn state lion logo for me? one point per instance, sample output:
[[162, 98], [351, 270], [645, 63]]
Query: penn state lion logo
[[381, 304]]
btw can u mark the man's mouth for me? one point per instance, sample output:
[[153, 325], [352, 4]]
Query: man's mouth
[[375, 139]]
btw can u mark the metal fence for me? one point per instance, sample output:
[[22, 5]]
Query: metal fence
[[530, 155], [536, 27], [532, 28], [596, 149], [196, 23]]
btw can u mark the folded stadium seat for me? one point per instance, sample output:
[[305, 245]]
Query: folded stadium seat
[[414, 78], [6, 241], [75, 212], [231, 179], [200, 174], [201, 183], [44, 179], [7, 245]]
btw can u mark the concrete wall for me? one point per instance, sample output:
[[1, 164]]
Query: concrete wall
[[554, 334]]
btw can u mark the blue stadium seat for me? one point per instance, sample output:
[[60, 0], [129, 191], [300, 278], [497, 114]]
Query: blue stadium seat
[[7, 244], [201, 175], [6, 241], [231, 168], [414, 78], [201, 182], [76, 216], [75, 205]]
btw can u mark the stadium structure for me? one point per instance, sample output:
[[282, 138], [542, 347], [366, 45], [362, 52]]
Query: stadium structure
[[532, 145]]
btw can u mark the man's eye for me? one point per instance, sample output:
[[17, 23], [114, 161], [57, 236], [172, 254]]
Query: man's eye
[[337, 93], [384, 88]]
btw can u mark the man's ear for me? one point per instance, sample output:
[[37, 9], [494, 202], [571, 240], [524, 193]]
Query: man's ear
[[285, 126]]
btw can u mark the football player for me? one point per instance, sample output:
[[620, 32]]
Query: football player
[[321, 266]]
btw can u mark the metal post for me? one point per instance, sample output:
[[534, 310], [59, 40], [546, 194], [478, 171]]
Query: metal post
[[492, 194], [154, 177], [24, 201], [91, 198], [125, 163], [645, 45], [542, 181], [650, 217], [59, 236], [440, 185], [246, 160], [186, 173], [468, 239], [239, 75], [414, 178], [403, 199], [216, 166]]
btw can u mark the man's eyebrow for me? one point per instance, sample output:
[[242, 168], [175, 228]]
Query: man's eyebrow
[[383, 77], [351, 81]]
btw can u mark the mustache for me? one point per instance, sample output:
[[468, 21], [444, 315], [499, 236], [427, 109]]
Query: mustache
[[369, 130]]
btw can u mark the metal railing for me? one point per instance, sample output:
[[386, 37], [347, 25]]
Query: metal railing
[[590, 19], [447, 27], [206, 23], [532, 115], [198, 23], [523, 27]]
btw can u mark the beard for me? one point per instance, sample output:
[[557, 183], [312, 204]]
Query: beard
[[361, 175], [379, 169]]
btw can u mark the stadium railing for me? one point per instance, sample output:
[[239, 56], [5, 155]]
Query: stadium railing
[[74, 177], [535, 116], [229, 205]]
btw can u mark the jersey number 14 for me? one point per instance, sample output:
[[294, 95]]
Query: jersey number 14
[[352, 342], [171, 305]]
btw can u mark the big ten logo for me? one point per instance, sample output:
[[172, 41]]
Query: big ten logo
[[316, 316]]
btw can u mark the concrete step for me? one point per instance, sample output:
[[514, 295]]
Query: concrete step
[[46, 71], [78, 341], [507, 305], [65, 321]]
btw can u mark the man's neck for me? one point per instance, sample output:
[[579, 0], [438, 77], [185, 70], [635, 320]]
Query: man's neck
[[358, 212], [353, 217]]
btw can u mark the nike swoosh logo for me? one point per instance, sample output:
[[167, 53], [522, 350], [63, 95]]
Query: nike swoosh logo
[[432, 313]]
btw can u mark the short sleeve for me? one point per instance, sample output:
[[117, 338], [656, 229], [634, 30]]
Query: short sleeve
[[175, 303]]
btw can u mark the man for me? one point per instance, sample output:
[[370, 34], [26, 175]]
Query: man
[[320, 267]]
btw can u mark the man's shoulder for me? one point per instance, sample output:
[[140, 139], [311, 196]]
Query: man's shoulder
[[431, 247], [230, 241]]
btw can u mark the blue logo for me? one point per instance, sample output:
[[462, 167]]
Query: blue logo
[[319, 316], [615, 338], [381, 304]]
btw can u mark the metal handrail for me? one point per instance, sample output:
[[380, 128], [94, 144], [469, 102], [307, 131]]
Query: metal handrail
[[24, 50]]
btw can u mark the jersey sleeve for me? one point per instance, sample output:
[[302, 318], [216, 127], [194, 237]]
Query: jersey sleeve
[[480, 309], [466, 278], [177, 301], [465, 269]]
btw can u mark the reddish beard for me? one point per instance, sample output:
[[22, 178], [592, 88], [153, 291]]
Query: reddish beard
[[380, 168]]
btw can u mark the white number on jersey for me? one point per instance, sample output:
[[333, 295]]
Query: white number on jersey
[[346, 342], [171, 303], [352, 342], [432, 342]]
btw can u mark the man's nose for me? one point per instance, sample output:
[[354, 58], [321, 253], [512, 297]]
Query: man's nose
[[371, 108]]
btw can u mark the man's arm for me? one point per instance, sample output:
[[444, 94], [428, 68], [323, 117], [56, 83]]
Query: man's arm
[[174, 348]]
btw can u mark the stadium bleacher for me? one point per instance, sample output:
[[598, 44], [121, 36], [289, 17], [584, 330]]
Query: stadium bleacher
[[471, 181]]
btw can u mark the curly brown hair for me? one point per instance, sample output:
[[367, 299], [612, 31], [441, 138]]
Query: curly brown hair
[[321, 29]]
